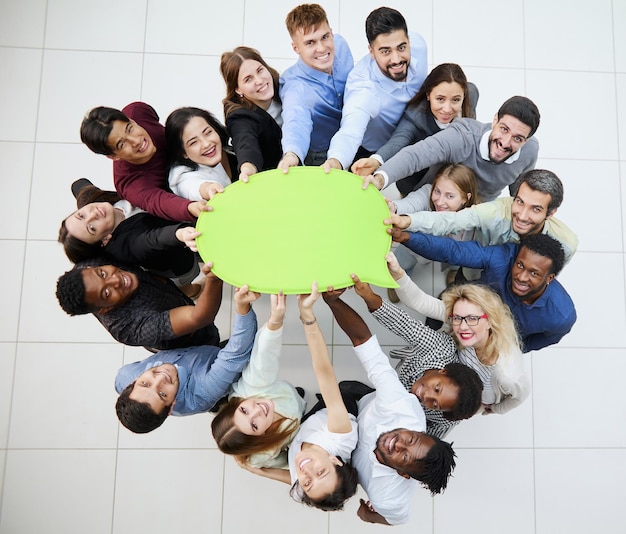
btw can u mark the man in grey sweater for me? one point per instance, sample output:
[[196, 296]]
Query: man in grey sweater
[[498, 152]]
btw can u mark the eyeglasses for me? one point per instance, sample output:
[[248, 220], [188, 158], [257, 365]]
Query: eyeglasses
[[470, 320]]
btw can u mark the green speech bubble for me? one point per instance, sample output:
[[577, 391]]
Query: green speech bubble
[[282, 232]]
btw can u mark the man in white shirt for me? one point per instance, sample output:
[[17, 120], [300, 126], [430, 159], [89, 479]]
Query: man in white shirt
[[394, 451]]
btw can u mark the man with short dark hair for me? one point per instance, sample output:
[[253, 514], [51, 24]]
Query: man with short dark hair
[[522, 274], [378, 87], [498, 152], [394, 450], [135, 140], [537, 194], [185, 381], [139, 308]]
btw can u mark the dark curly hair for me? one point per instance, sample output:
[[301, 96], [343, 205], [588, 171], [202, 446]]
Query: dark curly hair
[[435, 469], [71, 292], [470, 391], [138, 417], [546, 246]]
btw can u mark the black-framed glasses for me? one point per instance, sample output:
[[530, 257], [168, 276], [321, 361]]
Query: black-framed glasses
[[470, 320]]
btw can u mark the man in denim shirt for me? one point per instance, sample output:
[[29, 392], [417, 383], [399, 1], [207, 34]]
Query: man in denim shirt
[[185, 381]]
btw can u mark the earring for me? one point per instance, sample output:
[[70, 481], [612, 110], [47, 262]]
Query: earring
[[240, 95]]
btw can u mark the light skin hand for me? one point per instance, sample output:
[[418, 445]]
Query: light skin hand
[[188, 236], [376, 180], [331, 163], [246, 170], [243, 298], [392, 207], [365, 166], [277, 311], [401, 222], [306, 301], [209, 189], [197, 207], [395, 270], [289, 160]]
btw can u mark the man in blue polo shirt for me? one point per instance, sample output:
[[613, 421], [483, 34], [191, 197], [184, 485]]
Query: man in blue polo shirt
[[312, 90], [523, 274]]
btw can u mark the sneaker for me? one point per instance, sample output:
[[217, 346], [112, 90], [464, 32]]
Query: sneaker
[[393, 296], [79, 185]]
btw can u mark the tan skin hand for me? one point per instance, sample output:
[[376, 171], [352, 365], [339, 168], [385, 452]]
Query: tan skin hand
[[376, 180], [401, 222], [243, 298], [188, 236], [197, 207], [246, 170], [395, 270], [364, 290], [331, 163], [365, 166], [209, 189], [289, 160]]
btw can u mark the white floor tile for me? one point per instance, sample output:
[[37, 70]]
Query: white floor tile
[[619, 19], [7, 365], [166, 491], [503, 478], [271, 38], [579, 490], [11, 287], [16, 161], [546, 48], [19, 99], [114, 80], [23, 23], [65, 491], [83, 416], [564, 381], [558, 122], [67, 26]]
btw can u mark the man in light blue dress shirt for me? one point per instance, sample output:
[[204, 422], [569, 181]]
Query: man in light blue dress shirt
[[378, 88], [312, 90]]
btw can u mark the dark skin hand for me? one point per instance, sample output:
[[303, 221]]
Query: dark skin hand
[[363, 290], [397, 235], [367, 513]]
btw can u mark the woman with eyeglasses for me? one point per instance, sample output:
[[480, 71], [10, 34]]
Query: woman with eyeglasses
[[483, 329]]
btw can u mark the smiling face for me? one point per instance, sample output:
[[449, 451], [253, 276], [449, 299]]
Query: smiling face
[[436, 391], [507, 136], [157, 386], [130, 142], [315, 47], [392, 53], [201, 143], [401, 448], [530, 210], [92, 223], [255, 83], [107, 287], [446, 101], [446, 195], [530, 275], [254, 416], [315, 469], [470, 336]]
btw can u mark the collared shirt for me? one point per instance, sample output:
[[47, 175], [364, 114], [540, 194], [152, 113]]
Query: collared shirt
[[205, 373], [542, 323], [460, 142], [374, 103], [493, 222], [312, 102], [428, 349], [388, 408]]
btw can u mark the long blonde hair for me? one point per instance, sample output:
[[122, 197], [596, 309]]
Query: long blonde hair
[[503, 338]]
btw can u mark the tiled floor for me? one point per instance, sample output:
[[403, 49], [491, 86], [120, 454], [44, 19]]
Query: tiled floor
[[556, 464]]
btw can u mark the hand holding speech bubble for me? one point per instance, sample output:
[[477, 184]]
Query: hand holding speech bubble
[[282, 232]]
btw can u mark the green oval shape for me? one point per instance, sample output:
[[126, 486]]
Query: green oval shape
[[282, 232]]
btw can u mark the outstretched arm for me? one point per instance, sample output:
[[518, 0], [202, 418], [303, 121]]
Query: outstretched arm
[[349, 320], [338, 418], [187, 319]]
